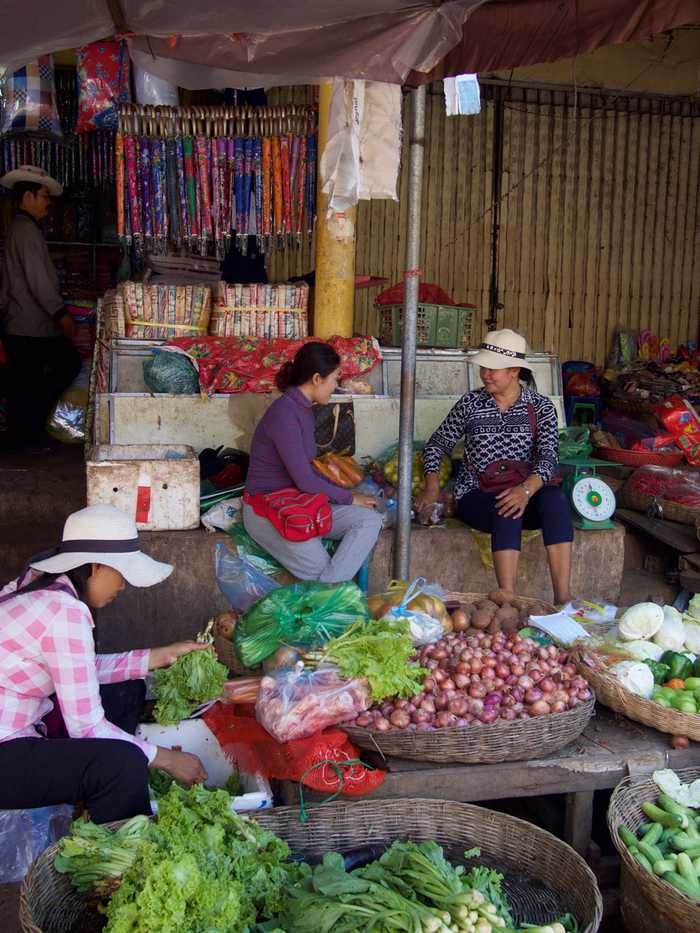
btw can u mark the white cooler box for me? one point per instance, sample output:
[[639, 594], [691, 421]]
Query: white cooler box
[[157, 484], [194, 736]]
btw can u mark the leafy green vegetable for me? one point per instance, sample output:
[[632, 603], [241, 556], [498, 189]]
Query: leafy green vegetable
[[96, 857], [193, 679], [204, 868], [380, 652], [233, 785], [489, 882], [159, 781]]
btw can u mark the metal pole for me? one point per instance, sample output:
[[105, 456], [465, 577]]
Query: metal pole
[[402, 541]]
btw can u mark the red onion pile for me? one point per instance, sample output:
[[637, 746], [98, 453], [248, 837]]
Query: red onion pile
[[480, 678]]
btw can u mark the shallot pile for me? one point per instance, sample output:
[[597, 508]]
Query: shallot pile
[[480, 678]]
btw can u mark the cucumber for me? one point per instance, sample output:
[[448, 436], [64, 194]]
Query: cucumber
[[685, 868], [653, 835], [651, 853], [672, 806], [681, 842], [679, 882], [627, 836], [661, 867], [643, 860], [657, 815]]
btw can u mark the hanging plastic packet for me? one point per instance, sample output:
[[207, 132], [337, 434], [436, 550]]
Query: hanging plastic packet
[[30, 99], [153, 91], [240, 582], [103, 84]]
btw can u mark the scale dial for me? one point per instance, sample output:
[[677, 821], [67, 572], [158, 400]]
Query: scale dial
[[593, 499]]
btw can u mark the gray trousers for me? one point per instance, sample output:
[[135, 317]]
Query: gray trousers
[[355, 527]]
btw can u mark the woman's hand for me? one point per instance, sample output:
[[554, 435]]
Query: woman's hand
[[430, 494], [366, 502], [512, 502], [168, 654], [187, 769]]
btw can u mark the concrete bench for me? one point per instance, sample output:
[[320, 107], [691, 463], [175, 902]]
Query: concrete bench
[[179, 607]]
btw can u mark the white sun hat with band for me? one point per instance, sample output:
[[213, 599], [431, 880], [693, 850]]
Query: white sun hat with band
[[35, 175], [101, 534], [501, 349]]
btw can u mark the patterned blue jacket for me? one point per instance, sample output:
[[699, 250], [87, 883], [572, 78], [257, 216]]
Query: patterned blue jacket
[[491, 435]]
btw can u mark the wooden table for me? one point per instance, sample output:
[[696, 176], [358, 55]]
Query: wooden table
[[610, 748]]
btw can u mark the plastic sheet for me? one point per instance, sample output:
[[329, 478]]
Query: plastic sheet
[[294, 704], [29, 99], [103, 84], [303, 615], [239, 581], [24, 834]]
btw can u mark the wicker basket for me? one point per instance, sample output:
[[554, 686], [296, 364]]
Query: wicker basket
[[638, 914], [535, 606], [480, 744], [226, 653], [626, 809], [610, 692], [638, 458], [544, 877], [670, 510], [485, 744]]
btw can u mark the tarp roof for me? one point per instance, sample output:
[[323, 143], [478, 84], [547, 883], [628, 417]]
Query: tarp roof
[[216, 43]]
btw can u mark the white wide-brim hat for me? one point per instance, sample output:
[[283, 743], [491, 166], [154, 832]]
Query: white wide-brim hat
[[34, 174], [501, 349], [101, 534]]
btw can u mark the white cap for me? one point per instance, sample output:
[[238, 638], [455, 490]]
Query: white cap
[[101, 534]]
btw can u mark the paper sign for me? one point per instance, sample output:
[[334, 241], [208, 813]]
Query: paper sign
[[561, 627]]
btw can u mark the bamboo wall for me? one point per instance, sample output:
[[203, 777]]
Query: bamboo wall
[[598, 225]]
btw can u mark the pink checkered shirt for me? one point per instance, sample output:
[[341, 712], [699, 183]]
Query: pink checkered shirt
[[47, 647]]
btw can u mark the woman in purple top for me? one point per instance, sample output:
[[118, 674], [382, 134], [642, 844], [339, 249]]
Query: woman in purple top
[[281, 452]]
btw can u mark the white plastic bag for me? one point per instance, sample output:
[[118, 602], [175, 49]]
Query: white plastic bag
[[222, 516], [24, 834], [154, 91]]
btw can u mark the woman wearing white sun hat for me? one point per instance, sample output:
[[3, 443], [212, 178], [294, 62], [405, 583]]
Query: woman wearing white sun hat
[[508, 479], [47, 650]]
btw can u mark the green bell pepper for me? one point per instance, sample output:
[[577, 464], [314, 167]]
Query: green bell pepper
[[696, 667], [659, 670], [678, 664]]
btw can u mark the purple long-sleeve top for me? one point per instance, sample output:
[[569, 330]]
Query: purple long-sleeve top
[[283, 446]]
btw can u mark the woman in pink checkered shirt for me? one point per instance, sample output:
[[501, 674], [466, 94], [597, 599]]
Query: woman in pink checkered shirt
[[47, 652]]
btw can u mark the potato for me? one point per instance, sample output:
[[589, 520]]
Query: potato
[[500, 597], [506, 613], [495, 627], [225, 624], [482, 618], [487, 604]]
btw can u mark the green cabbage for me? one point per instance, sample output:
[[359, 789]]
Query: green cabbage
[[641, 621]]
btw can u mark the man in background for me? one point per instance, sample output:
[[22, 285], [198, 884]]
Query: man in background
[[36, 327]]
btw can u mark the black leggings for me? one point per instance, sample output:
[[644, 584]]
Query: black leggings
[[109, 777]]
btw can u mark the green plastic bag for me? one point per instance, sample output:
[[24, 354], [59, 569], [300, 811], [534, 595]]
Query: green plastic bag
[[303, 615], [250, 550]]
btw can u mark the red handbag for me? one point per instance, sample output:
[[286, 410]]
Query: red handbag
[[506, 474], [297, 516]]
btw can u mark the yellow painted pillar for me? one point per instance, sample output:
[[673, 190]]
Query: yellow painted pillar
[[334, 294]]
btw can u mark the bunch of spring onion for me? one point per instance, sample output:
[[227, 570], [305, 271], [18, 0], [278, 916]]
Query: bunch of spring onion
[[96, 857]]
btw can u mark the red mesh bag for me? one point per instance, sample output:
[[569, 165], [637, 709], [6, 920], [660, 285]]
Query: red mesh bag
[[427, 294], [327, 762]]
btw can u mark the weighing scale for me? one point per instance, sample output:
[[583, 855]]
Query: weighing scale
[[592, 499]]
